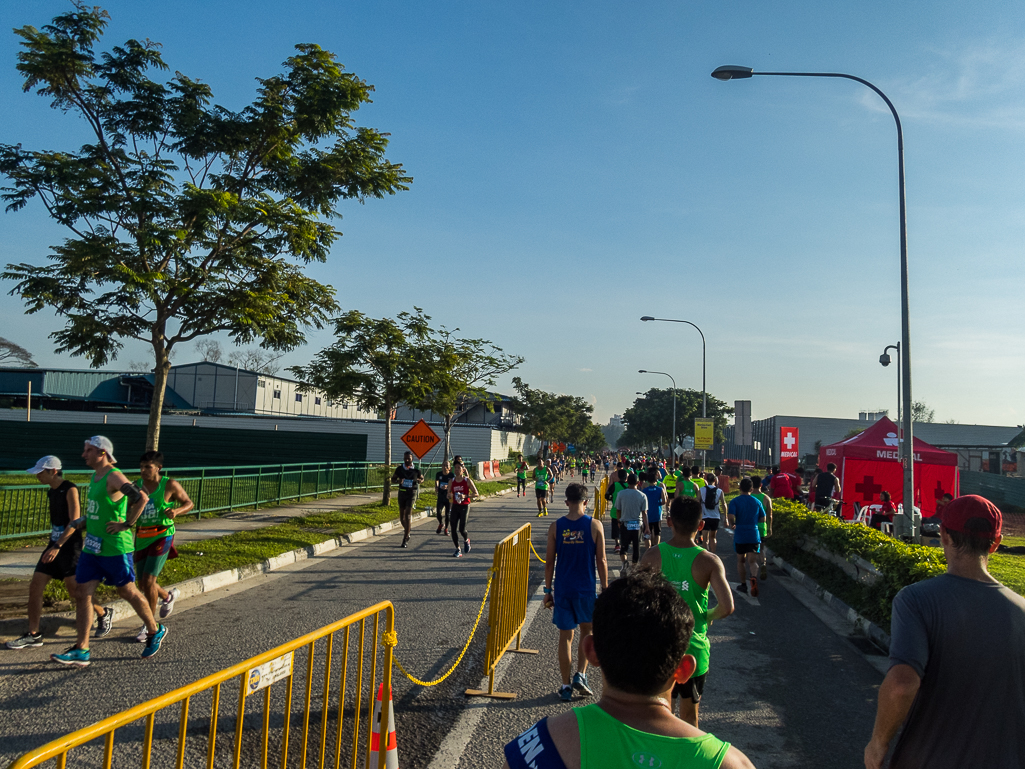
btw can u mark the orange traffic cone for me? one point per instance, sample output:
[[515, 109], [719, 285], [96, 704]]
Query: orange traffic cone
[[391, 759]]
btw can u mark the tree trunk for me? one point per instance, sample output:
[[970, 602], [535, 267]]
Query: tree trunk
[[387, 453], [448, 437], [156, 407]]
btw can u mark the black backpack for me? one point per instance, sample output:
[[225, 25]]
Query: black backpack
[[711, 494]]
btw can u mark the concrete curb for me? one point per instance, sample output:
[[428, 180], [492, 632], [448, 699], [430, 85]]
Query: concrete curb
[[868, 628]]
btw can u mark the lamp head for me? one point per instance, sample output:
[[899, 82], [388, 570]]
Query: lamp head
[[646, 318], [732, 72], [642, 371], [885, 359]]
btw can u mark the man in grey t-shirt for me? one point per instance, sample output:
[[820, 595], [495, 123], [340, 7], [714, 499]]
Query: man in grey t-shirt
[[957, 658], [632, 506]]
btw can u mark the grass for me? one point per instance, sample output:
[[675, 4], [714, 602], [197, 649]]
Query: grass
[[1008, 568]]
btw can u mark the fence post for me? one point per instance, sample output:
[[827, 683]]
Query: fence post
[[281, 482], [259, 476], [199, 495], [231, 491]]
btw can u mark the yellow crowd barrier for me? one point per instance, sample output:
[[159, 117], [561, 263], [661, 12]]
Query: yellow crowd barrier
[[600, 503], [351, 697], [508, 608]]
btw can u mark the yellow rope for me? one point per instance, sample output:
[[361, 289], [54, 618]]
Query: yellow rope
[[392, 639], [542, 560]]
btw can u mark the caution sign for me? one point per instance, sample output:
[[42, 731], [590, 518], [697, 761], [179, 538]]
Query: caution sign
[[704, 433], [420, 439]]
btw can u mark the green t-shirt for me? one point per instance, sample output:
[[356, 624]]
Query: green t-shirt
[[670, 481], [99, 511], [677, 563], [688, 488], [541, 477], [155, 515], [521, 470], [605, 742]]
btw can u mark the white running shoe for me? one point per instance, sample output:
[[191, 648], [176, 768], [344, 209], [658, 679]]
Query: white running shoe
[[143, 636], [166, 607]]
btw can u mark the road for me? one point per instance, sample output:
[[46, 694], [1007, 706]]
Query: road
[[784, 687]]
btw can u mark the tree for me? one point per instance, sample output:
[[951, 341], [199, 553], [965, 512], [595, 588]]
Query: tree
[[378, 363], [209, 350], [650, 418], [254, 359], [186, 218], [551, 416], [593, 439], [12, 354], [920, 412]]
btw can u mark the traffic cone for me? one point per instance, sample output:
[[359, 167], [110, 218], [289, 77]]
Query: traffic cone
[[391, 759]]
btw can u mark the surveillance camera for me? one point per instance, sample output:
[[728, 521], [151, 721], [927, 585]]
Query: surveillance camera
[[885, 359]]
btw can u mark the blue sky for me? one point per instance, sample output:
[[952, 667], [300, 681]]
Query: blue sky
[[575, 167]]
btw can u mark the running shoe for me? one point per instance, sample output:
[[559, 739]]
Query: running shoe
[[580, 684], [166, 607], [75, 657], [616, 548], [405, 542], [763, 573], [439, 529], [754, 587], [104, 623], [143, 636], [154, 641], [540, 513], [466, 545], [741, 588], [458, 553], [27, 641], [566, 693], [445, 532]]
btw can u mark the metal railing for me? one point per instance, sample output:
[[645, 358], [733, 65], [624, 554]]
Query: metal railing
[[337, 716]]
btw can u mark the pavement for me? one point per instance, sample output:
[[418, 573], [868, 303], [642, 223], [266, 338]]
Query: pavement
[[789, 684]]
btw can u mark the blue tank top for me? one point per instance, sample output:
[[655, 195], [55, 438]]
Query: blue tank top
[[574, 557], [654, 495]]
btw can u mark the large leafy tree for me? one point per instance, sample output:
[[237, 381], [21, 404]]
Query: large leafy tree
[[187, 218], [593, 439], [649, 419], [379, 363], [551, 416]]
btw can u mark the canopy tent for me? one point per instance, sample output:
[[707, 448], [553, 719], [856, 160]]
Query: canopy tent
[[867, 464]]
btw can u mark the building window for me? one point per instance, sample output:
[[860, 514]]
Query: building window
[[298, 397], [277, 394], [316, 401], [260, 383]]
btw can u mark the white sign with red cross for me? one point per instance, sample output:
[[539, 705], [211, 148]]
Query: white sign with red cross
[[789, 449]]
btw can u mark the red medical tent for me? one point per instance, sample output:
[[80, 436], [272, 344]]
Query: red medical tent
[[867, 464]]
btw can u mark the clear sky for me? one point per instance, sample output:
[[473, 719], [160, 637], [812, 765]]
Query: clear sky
[[575, 167]]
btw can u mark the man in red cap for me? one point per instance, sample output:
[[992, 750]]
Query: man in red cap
[[957, 658]]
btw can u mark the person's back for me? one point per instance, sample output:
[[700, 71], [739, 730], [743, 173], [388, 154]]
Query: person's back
[[825, 484]]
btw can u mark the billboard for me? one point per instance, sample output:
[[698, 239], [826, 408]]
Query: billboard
[[704, 433], [742, 435], [789, 449]]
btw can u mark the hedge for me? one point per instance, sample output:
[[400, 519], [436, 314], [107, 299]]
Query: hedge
[[901, 564]]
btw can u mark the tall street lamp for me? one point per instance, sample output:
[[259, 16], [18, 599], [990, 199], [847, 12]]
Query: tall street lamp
[[704, 395], [732, 72], [673, 433]]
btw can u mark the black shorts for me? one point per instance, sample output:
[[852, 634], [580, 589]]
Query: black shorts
[[66, 562], [540, 493], [750, 547], [655, 527], [615, 529], [443, 503], [711, 524], [694, 688], [407, 498]]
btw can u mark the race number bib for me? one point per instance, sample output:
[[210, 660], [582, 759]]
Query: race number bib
[[55, 533], [92, 544], [460, 497], [443, 485], [406, 483], [632, 525]]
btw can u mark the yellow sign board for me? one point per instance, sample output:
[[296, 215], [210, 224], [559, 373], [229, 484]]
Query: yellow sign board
[[704, 433]]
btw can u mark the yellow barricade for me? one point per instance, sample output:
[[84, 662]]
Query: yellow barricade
[[600, 503], [508, 608], [351, 696]]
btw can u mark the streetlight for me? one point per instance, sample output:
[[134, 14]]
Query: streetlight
[[704, 396], [885, 360], [673, 433], [732, 72]]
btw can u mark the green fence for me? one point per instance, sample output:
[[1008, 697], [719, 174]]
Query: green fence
[[1001, 490], [24, 510]]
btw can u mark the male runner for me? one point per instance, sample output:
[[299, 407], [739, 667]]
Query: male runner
[[696, 477], [713, 508], [611, 493], [60, 558], [408, 477], [657, 498], [670, 478], [744, 513], [113, 506], [826, 485], [585, 468], [542, 479], [463, 493], [764, 527], [685, 486], [575, 552], [521, 475], [441, 481], [632, 506], [154, 537], [641, 632], [691, 569]]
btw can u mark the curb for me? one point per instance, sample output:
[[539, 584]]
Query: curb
[[868, 628]]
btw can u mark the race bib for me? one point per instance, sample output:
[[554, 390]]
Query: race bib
[[55, 533], [92, 544], [632, 525], [460, 497], [443, 486], [406, 483], [149, 513]]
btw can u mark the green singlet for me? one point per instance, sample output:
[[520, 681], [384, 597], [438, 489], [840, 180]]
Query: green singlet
[[699, 482], [541, 479], [763, 526], [617, 487], [101, 510], [690, 489], [154, 515], [604, 741], [521, 471], [677, 563]]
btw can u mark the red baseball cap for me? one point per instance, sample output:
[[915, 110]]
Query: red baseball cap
[[972, 515]]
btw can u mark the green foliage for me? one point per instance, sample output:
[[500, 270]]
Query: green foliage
[[920, 412], [651, 416], [12, 354], [552, 416]]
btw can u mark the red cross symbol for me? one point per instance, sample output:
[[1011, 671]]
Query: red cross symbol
[[868, 488]]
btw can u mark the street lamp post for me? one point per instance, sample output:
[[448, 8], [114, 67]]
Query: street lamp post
[[704, 395], [885, 360], [732, 72], [673, 433]]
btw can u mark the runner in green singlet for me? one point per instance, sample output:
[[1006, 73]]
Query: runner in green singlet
[[764, 527], [521, 475], [612, 492], [631, 725], [669, 480], [542, 479], [685, 487], [691, 570]]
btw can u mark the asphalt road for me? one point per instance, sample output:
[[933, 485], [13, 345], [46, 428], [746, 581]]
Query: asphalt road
[[784, 687]]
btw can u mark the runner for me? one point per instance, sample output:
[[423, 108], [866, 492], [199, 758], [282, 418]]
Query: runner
[[542, 479], [670, 478], [685, 486], [641, 632], [713, 508], [657, 499], [585, 468], [575, 553], [114, 505], [744, 513], [463, 493], [521, 475], [632, 506], [697, 478], [408, 478], [60, 558], [691, 569], [154, 537], [611, 492], [441, 481], [764, 527]]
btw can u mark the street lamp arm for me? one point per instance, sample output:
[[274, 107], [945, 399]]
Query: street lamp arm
[[856, 79]]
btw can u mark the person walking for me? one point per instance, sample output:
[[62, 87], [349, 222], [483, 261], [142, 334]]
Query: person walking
[[657, 500], [764, 527], [408, 477], [463, 491], [574, 556], [542, 479], [744, 513], [956, 681], [60, 558], [713, 509], [521, 475], [827, 487], [691, 569], [632, 506], [612, 491], [442, 479]]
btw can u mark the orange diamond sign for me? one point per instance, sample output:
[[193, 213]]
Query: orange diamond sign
[[420, 439]]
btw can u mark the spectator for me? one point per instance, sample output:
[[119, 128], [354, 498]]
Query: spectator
[[957, 658], [885, 513], [632, 719], [827, 486], [781, 485]]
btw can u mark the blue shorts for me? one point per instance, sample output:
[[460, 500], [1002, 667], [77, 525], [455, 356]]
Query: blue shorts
[[115, 570], [573, 609]]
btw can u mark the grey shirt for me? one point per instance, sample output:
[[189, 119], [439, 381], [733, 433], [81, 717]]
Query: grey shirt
[[632, 505], [966, 640]]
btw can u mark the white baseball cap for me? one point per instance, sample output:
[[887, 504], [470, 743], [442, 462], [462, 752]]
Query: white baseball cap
[[49, 462], [102, 442]]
